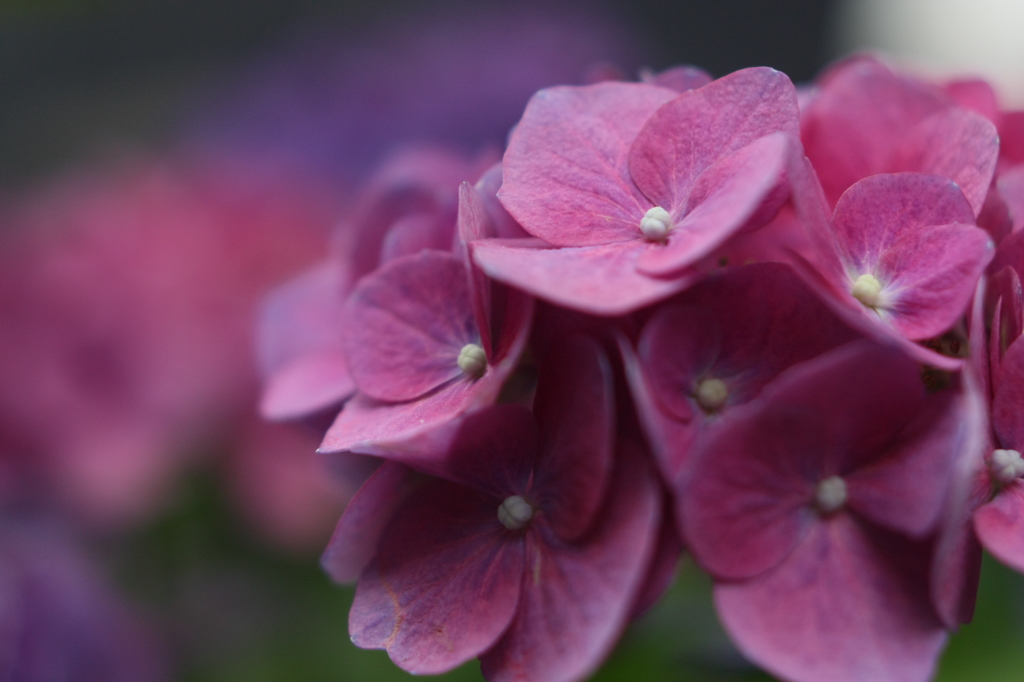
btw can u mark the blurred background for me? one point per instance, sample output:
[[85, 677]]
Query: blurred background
[[163, 165]]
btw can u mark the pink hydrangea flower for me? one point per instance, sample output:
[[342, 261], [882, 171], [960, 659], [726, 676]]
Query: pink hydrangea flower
[[532, 556], [812, 508], [900, 259], [628, 185]]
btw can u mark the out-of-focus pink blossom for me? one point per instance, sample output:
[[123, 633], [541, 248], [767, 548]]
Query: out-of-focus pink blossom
[[127, 318]]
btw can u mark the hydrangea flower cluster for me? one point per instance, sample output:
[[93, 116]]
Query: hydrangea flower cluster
[[777, 329]]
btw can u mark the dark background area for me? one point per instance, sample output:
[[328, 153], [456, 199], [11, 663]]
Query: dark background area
[[77, 76]]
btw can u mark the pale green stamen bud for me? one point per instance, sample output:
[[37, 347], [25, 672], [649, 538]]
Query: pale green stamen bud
[[656, 224], [830, 495], [473, 360], [1006, 465], [867, 290], [515, 512], [711, 394]]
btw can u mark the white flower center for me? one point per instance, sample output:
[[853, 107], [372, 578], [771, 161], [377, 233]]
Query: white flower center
[[656, 224], [830, 495], [515, 512], [1006, 465], [867, 290], [473, 360], [711, 394]]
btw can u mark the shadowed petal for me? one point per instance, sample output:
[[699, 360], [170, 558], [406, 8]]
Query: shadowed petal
[[575, 408], [578, 597], [1000, 526], [566, 178], [444, 584], [405, 325], [370, 510], [850, 604]]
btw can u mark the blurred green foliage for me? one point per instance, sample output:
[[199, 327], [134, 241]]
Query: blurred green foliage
[[237, 611]]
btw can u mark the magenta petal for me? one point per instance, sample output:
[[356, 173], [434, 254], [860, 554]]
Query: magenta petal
[[393, 429], [874, 213], [849, 605], [1000, 525], [474, 223], [724, 197], [957, 144], [405, 326], [306, 386], [578, 597], [575, 409], [930, 275], [300, 344], [369, 511], [1008, 402], [566, 178], [444, 584], [601, 280], [696, 129]]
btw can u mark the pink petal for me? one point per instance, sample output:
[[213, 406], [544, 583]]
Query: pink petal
[[1000, 526], [474, 223], [664, 566], [566, 174], [930, 275], [577, 598], [300, 344], [1008, 402], [957, 144], [1011, 188], [862, 112], [370, 510], [575, 407], [693, 131], [850, 604], [724, 198], [678, 78], [874, 213], [444, 584], [307, 386], [601, 280], [405, 326]]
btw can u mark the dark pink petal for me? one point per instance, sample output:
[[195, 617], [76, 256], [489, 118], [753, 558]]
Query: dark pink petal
[[687, 135], [975, 94], [749, 496], [668, 437], [577, 597], [397, 430], [575, 409], [566, 174], [445, 581], [406, 324], [494, 450], [601, 280], [746, 501], [1008, 401], [300, 344], [664, 566], [724, 198], [370, 510], [1000, 525], [873, 214], [957, 144], [906, 487], [930, 275], [850, 604]]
